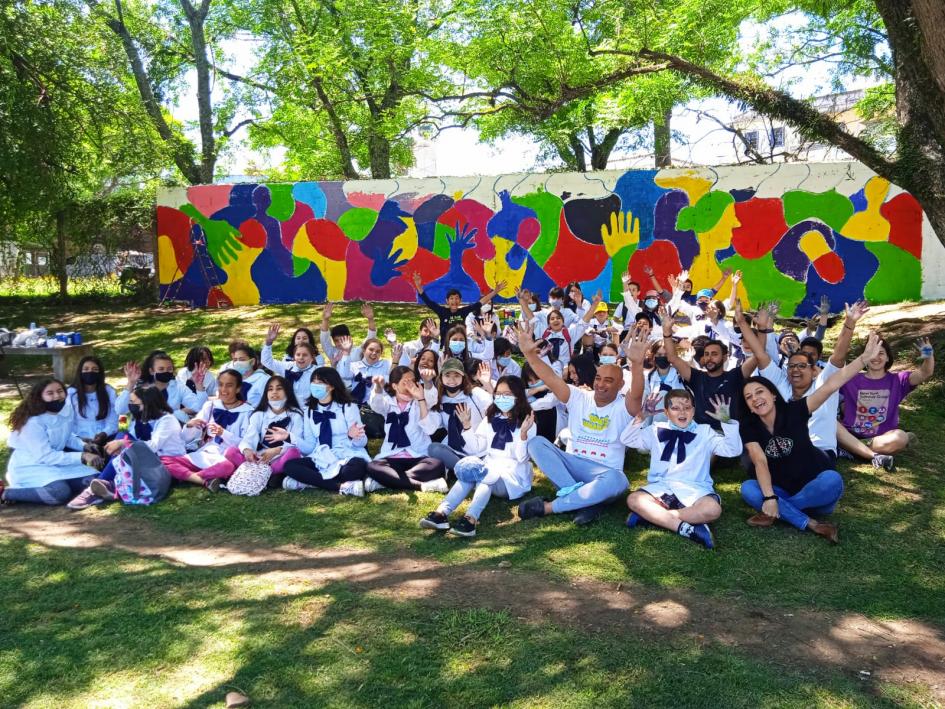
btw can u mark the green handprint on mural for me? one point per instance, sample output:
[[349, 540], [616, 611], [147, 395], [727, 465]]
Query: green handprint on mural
[[223, 239]]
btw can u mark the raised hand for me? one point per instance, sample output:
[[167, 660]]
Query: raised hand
[[378, 383], [272, 333], [721, 408], [396, 352], [199, 375], [667, 321], [675, 285], [773, 308], [464, 415], [652, 403], [416, 391], [625, 278], [367, 310], [276, 434], [636, 350], [427, 375], [648, 270], [485, 376], [430, 329], [527, 424], [738, 313], [598, 297], [824, 308], [683, 275], [327, 311], [355, 431], [133, 373], [924, 345], [390, 335], [873, 346], [856, 311], [345, 344], [736, 277], [526, 340], [763, 318]]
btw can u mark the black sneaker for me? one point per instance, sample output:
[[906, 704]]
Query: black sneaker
[[213, 485], [532, 507], [887, 462], [463, 527], [435, 520], [589, 514]]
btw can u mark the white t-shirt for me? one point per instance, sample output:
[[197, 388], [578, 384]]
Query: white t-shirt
[[595, 430]]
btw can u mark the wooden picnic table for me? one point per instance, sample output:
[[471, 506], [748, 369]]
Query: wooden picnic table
[[64, 359]]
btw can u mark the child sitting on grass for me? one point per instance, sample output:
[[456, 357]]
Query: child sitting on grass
[[679, 494]]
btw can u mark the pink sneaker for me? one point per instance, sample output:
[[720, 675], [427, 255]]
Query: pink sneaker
[[84, 499], [105, 489]]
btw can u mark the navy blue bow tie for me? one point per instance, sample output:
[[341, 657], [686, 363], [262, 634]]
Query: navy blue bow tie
[[322, 419], [397, 434], [360, 387], [674, 439], [224, 418], [244, 390], [454, 427], [555, 343], [503, 429], [293, 375], [142, 430]]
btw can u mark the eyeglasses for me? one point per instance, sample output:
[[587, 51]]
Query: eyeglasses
[[798, 365]]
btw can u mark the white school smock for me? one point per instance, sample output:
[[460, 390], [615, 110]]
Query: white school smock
[[257, 381], [415, 347], [86, 425], [328, 347], [822, 423], [595, 430], [177, 396], [690, 480], [166, 436], [418, 430], [260, 421], [654, 384], [509, 464], [209, 381], [328, 459], [211, 451], [514, 369], [40, 454]]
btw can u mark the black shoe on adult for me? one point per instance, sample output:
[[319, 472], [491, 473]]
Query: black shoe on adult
[[589, 514], [532, 507]]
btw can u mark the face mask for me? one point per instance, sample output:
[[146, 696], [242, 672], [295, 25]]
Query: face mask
[[608, 359], [135, 410], [702, 306], [452, 391], [319, 390], [533, 307], [433, 346], [557, 303], [537, 384], [662, 362], [277, 405], [504, 402], [164, 377], [89, 378], [392, 338], [54, 407], [650, 303], [504, 361], [457, 346], [243, 367]]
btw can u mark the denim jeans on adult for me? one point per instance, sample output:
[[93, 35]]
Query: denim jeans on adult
[[818, 497], [601, 483]]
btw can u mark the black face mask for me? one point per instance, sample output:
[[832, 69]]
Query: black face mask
[[453, 391], [135, 410], [661, 362], [54, 407], [163, 377], [90, 378]]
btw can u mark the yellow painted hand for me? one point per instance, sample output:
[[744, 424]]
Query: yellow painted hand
[[624, 230], [497, 270]]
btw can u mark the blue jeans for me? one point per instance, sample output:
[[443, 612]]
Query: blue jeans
[[483, 493], [601, 484], [58, 492], [818, 497]]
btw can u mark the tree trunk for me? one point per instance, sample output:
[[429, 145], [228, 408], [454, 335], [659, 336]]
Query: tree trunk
[[196, 17], [379, 148], [600, 153], [337, 132], [663, 141], [59, 260], [580, 160]]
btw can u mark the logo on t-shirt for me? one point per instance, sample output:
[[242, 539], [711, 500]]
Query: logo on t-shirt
[[871, 408], [593, 422], [779, 447]]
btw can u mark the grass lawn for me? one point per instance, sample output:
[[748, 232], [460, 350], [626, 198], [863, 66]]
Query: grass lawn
[[107, 624]]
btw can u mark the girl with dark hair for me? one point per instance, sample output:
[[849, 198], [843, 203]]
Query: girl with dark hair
[[456, 390], [158, 369], [220, 424], [403, 462], [49, 463], [426, 370], [581, 371], [245, 360], [497, 462], [197, 365], [299, 371], [793, 478], [93, 402], [575, 301], [333, 440], [303, 334], [457, 345]]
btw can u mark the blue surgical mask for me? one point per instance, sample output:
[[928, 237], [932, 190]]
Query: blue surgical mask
[[650, 303], [537, 384], [504, 402], [241, 366], [533, 307], [504, 361], [556, 303], [319, 390], [608, 359], [457, 346]]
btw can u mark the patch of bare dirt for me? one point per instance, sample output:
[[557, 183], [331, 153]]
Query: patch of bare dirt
[[900, 651]]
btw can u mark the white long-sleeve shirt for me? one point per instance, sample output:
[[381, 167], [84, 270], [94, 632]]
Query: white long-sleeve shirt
[[178, 397], [328, 346], [509, 463], [418, 429], [477, 401], [86, 423], [46, 449], [346, 415], [260, 421], [166, 438], [209, 381], [211, 451]]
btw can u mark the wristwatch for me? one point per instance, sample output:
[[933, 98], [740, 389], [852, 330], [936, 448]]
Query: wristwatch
[[769, 497]]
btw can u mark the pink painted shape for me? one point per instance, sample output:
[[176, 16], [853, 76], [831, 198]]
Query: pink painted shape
[[477, 215], [358, 284], [365, 199], [209, 199], [528, 232], [291, 226]]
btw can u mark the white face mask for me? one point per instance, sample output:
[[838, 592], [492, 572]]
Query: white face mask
[[277, 404]]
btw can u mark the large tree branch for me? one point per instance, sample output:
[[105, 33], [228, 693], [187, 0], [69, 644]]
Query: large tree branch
[[809, 121]]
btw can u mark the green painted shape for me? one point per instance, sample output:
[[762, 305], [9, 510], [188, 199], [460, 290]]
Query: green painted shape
[[764, 282], [548, 208], [705, 213], [223, 239], [283, 203], [898, 278], [620, 261], [831, 207], [441, 240], [357, 222], [299, 265]]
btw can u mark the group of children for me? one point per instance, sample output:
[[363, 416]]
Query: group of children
[[664, 374]]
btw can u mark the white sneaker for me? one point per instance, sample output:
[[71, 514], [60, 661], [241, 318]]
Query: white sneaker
[[372, 485], [438, 485], [293, 484], [355, 488]]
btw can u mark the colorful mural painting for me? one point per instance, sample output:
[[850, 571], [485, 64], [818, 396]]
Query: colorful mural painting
[[796, 232]]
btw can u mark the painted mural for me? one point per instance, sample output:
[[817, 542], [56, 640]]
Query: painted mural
[[846, 234]]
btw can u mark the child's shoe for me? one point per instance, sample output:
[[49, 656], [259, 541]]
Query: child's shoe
[[354, 488], [699, 533], [435, 520], [372, 485], [438, 485], [463, 527], [635, 520]]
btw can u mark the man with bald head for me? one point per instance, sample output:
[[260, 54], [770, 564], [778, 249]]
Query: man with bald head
[[589, 475]]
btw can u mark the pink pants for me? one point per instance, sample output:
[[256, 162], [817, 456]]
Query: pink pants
[[181, 468]]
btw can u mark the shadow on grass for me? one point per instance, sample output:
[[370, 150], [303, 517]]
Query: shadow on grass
[[84, 625]]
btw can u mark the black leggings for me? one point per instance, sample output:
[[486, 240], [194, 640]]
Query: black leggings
[[405, 473], [304, 470]]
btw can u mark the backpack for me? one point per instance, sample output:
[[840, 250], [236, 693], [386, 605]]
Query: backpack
[[141, 478], [249, 479]]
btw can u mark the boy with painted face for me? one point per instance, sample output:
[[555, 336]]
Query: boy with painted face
[[679, 494]]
